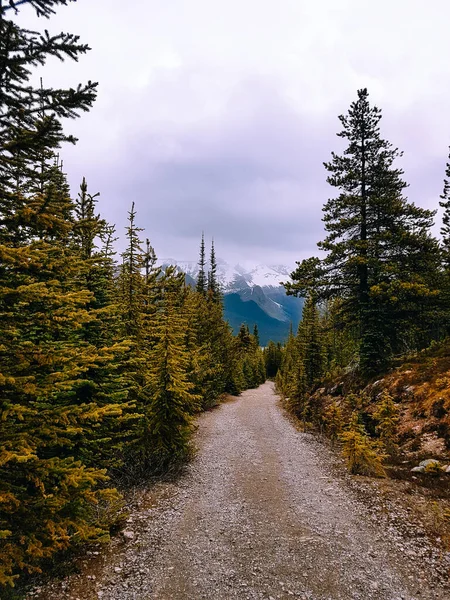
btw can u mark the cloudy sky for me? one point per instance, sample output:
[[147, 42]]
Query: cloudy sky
[[217, 115]]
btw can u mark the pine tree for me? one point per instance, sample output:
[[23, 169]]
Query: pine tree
[[88, 226], [339, 337], [213, 284], [445, 249], [310, 344], [171, 401], [132, 282], [256, 335], [272, 358], [333, 421], [30, 116], [201, 279], [387, 415], [105, 383], [51, 487], [244, 340], [445, 229], [380, 255], [47, 495], [359, 451], [210, 349]]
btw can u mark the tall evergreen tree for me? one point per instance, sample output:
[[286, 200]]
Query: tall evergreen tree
[[379, 249], [445, 250], [105, 382], [445, 229], [30, 115], [310, 345], [171, 401], [47, 495], [132, 283], [202, 279], [256, 335], [213, 283]]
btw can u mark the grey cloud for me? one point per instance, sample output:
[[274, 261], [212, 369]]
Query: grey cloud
[[253, 178], [208, 124]]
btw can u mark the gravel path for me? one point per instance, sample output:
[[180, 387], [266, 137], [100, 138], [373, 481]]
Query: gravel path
[[258, 515]]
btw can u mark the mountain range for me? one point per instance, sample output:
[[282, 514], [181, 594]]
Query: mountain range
[[252, 294]]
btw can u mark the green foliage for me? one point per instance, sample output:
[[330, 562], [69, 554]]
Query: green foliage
[[303, 362], [202, 278], [387, 415], [310, 344], [273, 356], [359, 451], [51, 408], [381, 261], [171, 401], [444, 315], [333, 421], [250, 358], [101, 367], [445, 229], [214, 293]]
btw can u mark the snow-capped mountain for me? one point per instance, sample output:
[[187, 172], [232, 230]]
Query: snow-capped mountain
[[242, 275], [253, 294]]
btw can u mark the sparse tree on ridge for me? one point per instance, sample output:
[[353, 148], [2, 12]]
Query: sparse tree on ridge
[[445, 248], [202, 278], [213, 283], [445, 229]]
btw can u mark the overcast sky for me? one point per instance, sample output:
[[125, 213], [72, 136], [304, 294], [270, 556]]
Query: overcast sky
[[217, 115]]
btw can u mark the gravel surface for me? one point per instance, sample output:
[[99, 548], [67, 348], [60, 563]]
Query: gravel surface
[[259, 514]]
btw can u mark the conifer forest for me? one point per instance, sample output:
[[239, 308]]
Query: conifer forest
[[105, 359], [109, 358]]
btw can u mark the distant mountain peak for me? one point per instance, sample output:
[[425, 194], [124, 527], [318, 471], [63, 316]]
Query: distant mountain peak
[[252, 294], [244, 274]]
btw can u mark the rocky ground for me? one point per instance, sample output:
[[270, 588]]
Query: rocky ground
[[263, 512]]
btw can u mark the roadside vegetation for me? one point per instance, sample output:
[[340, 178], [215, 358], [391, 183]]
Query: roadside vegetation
[[104, 359]]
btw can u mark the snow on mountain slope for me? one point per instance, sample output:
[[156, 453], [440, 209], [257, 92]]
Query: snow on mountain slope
[[252, 295], [237, 277]]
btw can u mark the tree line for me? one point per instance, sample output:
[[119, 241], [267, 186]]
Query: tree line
[[104, 359]]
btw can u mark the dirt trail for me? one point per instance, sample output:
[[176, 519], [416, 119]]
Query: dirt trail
[[258, 515]]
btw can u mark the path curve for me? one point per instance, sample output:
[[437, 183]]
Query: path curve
[[258, 515]]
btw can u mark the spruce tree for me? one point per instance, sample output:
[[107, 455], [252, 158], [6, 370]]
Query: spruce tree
[[30, 115], [47, 495], [202, 279], [387, 416], [171, 401], [272, 359], [131, 280], [359, 451], [380, 257], [310, 344], [209, 347], [213, 284], [445, 249], [256, 335], [105, 383], [333, 421], [445, 229]]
